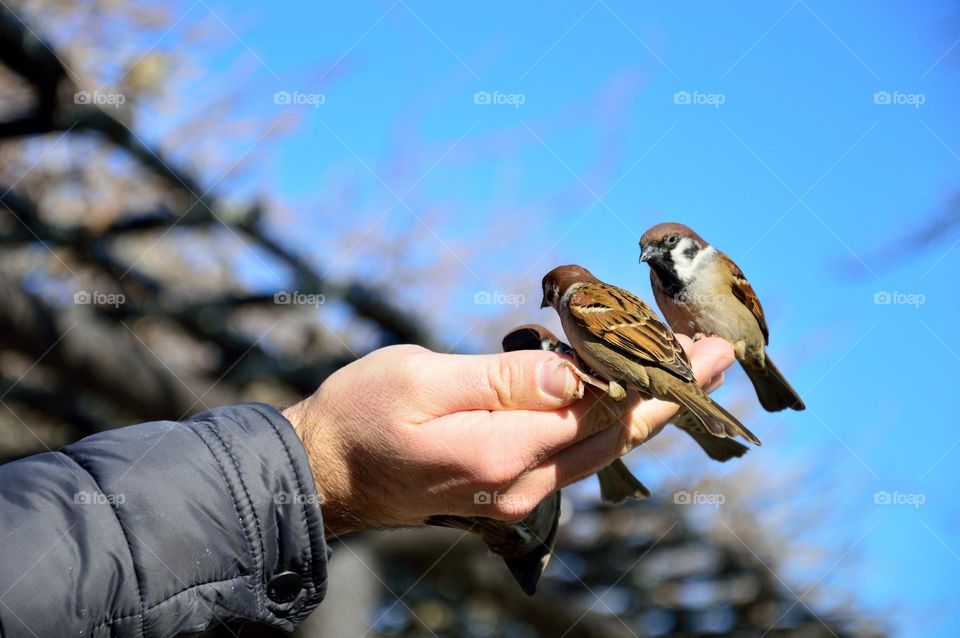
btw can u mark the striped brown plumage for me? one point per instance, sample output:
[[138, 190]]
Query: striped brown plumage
[[622, 339]]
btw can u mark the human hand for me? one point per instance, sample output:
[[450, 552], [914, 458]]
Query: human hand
[[404, 433]]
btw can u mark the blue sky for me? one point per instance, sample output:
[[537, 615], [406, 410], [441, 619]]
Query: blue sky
[[813, 187]]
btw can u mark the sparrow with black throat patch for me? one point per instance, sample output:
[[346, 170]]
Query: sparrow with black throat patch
[[618, 336], [701, 292]]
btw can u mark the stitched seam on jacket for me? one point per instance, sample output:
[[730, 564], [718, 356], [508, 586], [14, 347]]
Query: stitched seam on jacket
[[126, 539], [256, 519], [233, 497], [168, 599], [303, 507]]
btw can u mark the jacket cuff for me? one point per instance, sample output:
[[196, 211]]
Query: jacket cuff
[[209, 520], [268, 476]]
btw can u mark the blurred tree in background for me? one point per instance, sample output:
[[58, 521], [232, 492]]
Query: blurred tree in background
[[125, 300], [120, 260]]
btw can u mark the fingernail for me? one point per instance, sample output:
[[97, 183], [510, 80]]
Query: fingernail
[[557, 380]]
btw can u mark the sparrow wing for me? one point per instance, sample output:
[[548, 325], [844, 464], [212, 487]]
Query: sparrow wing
[[743, 291], [626, 323]]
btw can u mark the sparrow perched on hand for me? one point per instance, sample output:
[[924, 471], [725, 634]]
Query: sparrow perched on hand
[[525, 546], [623, 340], [617, 482], [702, 292]]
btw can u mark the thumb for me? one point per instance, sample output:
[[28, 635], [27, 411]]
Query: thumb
[[524, 380]]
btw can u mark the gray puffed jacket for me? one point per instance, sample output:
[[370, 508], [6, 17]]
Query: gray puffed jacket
[[162, 528]]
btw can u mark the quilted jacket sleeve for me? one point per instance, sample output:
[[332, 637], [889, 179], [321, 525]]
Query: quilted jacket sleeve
[[162, 528]]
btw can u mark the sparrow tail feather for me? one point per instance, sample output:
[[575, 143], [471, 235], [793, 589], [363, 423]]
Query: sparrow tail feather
[[717, 449], [773, 389], [525, 546], [617, 484], [721, 450], [712, 415]]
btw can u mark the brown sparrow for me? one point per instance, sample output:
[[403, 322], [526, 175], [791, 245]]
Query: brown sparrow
[[524, 546], [617, 482], [623, 340], [701, 292]]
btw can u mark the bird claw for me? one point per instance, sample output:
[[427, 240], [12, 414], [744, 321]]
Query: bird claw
[[616, 391], [613, 389]]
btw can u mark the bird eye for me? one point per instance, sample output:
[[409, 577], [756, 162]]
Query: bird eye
[[671, 241]]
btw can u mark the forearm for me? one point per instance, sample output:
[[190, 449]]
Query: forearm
[[161, 528]]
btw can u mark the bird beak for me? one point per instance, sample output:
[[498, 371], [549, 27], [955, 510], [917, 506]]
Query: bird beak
[[649, 252], [543, 303]]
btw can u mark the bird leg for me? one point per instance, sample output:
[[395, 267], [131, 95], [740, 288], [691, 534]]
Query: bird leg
[[612, 388], [740, 350], [616, 391]]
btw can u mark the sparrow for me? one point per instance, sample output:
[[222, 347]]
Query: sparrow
[[701, 292], [525, 546], [622, 339], [617, 482]]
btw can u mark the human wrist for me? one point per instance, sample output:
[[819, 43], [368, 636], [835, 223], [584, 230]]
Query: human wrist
[[327, 464]]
